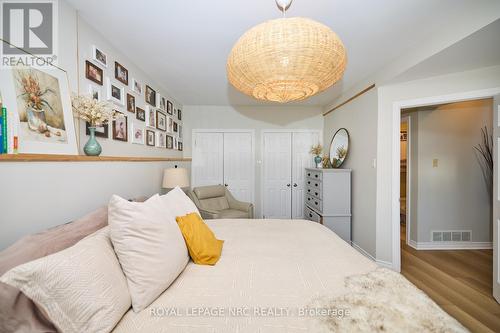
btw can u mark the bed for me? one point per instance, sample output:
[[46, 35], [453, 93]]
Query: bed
[[284, 276]]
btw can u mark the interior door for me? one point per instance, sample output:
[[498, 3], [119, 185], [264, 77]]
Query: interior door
[[208, 159], [277, 175], [239, 165], [301, 159], [496, 199]]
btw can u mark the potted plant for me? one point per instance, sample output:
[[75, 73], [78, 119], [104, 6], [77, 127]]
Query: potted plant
[[97, 114], [316, 151]]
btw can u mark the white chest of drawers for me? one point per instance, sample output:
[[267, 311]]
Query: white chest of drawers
[[328, 199]]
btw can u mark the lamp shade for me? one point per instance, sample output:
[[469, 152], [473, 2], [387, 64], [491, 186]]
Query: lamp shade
[[175, 177]]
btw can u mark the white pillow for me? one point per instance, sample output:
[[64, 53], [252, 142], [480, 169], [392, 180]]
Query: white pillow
[[149, 246], [177, 203], [81, 289]]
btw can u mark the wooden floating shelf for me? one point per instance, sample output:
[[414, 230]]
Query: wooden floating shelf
[[83, 158]]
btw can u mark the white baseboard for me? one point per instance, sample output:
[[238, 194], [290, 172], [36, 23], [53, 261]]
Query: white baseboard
[[381, 263], [450, 245]]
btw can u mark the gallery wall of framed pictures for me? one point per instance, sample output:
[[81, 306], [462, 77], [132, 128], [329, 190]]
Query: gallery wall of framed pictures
[[150, 122]]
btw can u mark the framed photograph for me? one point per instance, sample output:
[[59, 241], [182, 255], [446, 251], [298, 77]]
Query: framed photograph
[[170, 142], [93, 73], [150, 138], [179, 114], [176, 143], [115, 93], [140, 114], [179, 130], [137, 134], [136, 87], [130, 103], [160, 142], [170, 107], [150, 96], [99, 56], [42, 109], [161, 120], [176, 129], [170, 124], [102, 132], [150, 117], [179, 146], [163, 102], [121, 73], [120, 129], [95, 92]]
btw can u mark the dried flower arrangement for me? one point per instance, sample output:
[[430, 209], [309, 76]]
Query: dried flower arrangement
[[316, 149], [94, 112], [33, 94], [484, 154]]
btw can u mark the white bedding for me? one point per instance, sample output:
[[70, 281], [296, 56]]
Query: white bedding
[[268, 267]]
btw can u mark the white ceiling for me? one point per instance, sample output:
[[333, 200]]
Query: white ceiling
[[480, 49], [184, 44]]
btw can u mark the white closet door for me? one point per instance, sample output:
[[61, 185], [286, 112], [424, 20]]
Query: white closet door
[[301, 159], [238, 165], [208, 159], [277, 169]]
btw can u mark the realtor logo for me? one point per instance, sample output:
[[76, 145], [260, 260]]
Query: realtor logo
[[29, 28]]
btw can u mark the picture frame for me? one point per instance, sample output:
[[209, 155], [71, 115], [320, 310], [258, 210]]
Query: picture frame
[[150, 96], [170, 124], [130, 103], [95, 92], [160, 140], [137, 134], [170, 142], [150, 116], [101, 132], [179, 131], [94, 73], [176, 129], [136, 87], [161, 120], [150, 138], [121, 73], [163, 103], [170, 108], [115, 93], [140, 114], [176, 143], [49, 129], [179, 146], [120, 127], [179, 114], [99, 56]]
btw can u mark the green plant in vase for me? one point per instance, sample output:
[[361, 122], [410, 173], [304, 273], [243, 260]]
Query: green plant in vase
[[316, 150], [97, 114]]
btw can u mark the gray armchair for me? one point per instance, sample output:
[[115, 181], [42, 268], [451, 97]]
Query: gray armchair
[[216, 202]]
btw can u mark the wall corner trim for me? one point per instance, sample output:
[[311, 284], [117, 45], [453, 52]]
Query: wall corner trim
[[350, 99]]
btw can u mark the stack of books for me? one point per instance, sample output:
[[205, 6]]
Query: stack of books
[[8, 145]]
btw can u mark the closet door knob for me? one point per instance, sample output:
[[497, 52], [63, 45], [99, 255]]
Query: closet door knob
[[295, 185], [287, 185], [226, 185]]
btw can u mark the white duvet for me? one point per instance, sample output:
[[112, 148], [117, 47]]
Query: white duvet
[[268, 274]]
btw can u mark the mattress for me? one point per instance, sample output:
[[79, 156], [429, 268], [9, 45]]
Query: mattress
[[269, 275]]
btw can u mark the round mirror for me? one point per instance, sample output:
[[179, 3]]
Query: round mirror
[[339, 148]]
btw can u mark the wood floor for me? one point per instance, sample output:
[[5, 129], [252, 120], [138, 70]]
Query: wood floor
[[459, 281]]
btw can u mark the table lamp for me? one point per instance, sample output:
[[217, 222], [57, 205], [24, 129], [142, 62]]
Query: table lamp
[[175, 177]]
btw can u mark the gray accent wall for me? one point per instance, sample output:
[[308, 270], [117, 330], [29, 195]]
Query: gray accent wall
[[359, 117]]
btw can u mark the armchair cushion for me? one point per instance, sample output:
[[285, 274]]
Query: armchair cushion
[[207, 192]]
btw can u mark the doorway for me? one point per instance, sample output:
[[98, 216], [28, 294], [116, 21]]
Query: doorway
[[445, 224]]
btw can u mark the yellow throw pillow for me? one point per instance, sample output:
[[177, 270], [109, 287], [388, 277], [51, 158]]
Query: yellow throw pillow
[[203, 247]]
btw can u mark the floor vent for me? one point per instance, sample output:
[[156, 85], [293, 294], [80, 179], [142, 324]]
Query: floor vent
[[452, 236]]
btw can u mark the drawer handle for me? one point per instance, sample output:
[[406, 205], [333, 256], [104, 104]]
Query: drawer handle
[[316, 185], [309, 191], [310, 215], [316, 203], [309, 183], [316, 176], [308, 199]]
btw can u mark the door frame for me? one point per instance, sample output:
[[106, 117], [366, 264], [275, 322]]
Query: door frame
[[407, 119], [194, 132], [396, 153], [280, 130]]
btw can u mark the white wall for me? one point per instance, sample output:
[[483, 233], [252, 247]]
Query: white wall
[[256, 118], [35, 196], [359, 117], [453, 195], [412, 92]]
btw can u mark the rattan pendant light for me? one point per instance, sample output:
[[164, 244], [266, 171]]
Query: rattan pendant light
[[287, 59]]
